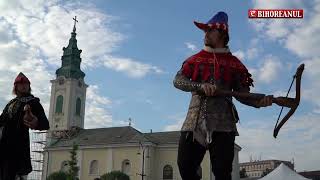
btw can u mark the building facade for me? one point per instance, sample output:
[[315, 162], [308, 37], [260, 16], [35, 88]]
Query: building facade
[[125, 149], [258, 168]]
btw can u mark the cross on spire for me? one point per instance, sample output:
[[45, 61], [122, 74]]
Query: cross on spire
[[130, 120], [75, 21]]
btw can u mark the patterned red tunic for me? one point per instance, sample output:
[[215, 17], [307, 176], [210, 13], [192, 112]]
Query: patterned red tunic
[[207, 114]]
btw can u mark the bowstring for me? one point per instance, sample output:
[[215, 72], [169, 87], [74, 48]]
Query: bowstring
[[286, 97]]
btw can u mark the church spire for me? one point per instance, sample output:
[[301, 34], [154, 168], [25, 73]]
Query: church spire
[[71, 58]]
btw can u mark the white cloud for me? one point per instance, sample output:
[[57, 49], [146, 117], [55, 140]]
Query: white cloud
[[32, 34], [46, 25], [275, 4], [97, 114], [6, 32], [297, 139], [239, 54], [130, 67], [18, 57], [92, 95], [123, 123], [174, 127], [277, 29], [311, 83], [50, 29], [191, 46], [267, 71], [148, 101], [299, 36], [178, 120], [253, 53], [304, 40]]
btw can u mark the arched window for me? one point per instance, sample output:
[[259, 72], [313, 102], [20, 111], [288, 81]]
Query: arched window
[[126, 166], [64, 166], [59, 104], [94, 166], [78, 106], [167, 172]]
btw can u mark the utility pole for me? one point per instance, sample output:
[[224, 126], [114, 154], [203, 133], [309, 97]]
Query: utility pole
[[142, 174]]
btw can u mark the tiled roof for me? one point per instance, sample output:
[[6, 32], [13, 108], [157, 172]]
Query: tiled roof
[[119, 135]]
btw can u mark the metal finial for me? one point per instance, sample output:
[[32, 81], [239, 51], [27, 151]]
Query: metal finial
[[75, 21]]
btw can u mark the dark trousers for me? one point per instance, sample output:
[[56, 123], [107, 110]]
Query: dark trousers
[[191, 153], [7, 171]]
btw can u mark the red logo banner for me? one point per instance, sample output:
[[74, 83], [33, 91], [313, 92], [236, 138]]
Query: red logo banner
[[275, 13]]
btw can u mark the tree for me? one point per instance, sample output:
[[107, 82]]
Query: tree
[[243, 173], [60, 175], [72, 172], [73, 168], [115, 175]]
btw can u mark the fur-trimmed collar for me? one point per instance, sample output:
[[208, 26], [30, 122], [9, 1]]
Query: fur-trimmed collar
[[216, 50]]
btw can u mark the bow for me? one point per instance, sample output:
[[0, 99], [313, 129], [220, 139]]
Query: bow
[[291, 102]]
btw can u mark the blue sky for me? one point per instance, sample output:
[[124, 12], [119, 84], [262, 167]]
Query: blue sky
[[133, 49]]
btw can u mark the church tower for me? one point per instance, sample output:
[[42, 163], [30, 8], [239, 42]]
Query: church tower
[[68, 90]]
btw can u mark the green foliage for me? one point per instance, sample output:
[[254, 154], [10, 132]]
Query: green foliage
[[60, 175], [115, 175], [73, 168]]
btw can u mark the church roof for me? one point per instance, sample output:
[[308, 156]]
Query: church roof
[[171, 137], [113, 136], [100, 136]]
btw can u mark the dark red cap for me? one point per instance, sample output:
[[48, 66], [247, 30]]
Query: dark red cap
[[21, 78]]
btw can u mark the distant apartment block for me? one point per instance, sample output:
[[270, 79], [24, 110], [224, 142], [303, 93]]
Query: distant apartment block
[[257, 168]]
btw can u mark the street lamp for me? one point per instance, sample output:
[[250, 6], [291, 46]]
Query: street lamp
[[142, 174]]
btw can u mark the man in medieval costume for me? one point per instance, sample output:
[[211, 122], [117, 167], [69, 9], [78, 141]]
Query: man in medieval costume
[[22, 113], [211, 120]]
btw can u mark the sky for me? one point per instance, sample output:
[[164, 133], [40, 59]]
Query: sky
[[131, 51]]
